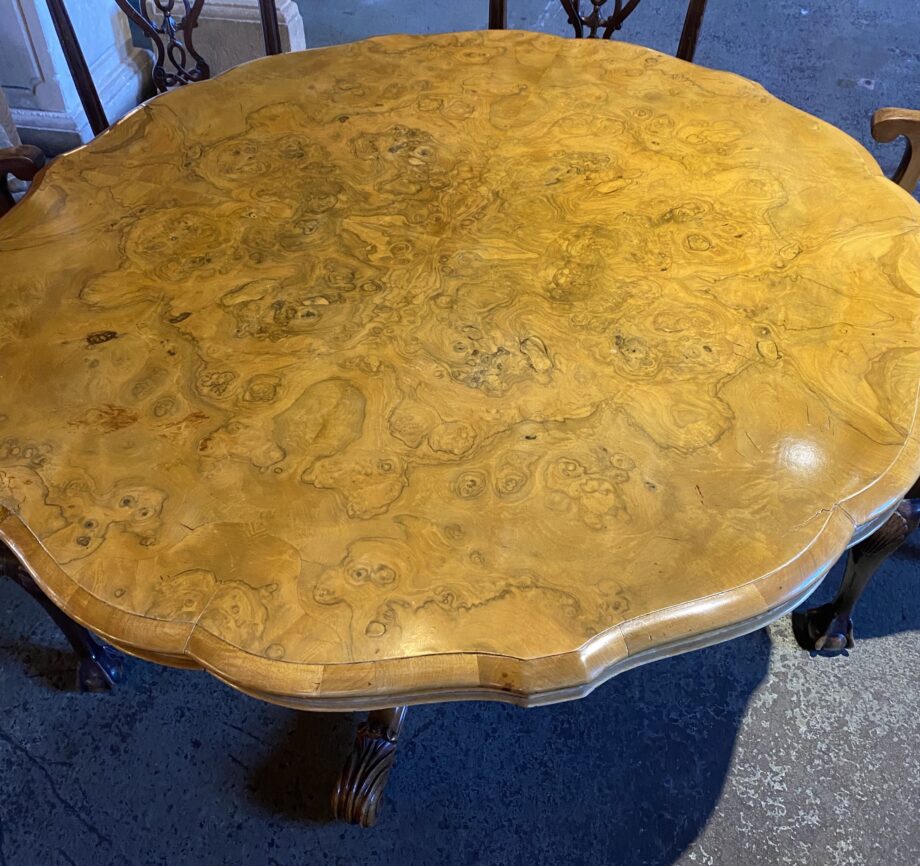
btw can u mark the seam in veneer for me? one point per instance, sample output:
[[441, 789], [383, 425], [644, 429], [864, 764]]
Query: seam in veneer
[[628, 625], [518, 696], [195, 622], [621, 626]]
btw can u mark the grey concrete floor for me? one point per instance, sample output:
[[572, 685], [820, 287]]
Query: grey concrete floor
[[749, 752]]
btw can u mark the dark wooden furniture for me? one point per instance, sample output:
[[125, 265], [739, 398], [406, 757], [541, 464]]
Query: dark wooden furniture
[[498, 14], [100, 665], [24, 162], [891, 123], [829, 627], [358, 793], [176, 61], [604, 20]]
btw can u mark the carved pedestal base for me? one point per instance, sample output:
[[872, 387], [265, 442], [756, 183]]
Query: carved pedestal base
[[359, 792], [829, 628], [100, 665]]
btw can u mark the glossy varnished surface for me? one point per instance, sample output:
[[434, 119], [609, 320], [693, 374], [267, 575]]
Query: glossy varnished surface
[[469, 365]]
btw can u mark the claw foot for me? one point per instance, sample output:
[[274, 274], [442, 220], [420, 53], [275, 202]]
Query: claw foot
[[358, 793], [820, 629], [101, 670]]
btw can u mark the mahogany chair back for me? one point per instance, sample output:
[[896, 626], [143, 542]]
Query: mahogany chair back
[[603, 21], [170, 26]]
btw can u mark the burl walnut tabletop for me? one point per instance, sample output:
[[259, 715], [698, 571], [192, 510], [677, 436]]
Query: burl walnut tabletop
[[467, 366]]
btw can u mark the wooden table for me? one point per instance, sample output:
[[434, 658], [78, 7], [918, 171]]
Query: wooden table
[[471, 366]]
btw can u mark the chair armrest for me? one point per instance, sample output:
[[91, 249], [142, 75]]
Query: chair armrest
[[887, 125], [24, 162]]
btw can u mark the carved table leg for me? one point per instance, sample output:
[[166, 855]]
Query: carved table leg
[[359, 790], [100, 665], [830, 627]]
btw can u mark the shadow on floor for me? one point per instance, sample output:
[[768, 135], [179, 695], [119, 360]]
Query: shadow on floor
[[295, 780], [630, 775], [48, 667]]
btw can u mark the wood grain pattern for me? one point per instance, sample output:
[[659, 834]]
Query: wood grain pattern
[[475, 365]]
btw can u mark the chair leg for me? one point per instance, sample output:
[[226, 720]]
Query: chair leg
[[691, 31], [270, 31], [101, 666], [829, 627], [498, 15]]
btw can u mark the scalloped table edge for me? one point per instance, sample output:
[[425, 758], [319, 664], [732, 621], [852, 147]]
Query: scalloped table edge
[[483, 676], [472, 676]]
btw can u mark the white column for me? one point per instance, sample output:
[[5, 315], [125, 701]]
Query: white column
[[230, 32], [8, 134], [36, 81]]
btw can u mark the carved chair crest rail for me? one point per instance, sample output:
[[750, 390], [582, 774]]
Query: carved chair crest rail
[[603, 20]]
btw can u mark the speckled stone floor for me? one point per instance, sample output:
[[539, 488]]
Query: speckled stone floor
[[748, 753]]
